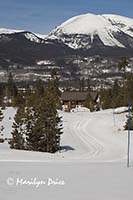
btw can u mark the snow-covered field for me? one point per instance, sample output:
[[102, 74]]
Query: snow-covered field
[[90, 166]]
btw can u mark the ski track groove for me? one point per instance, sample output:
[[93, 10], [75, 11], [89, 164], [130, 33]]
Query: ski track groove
[[93, 145]]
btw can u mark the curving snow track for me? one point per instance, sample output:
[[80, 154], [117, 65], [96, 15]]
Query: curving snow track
[[93, 136]]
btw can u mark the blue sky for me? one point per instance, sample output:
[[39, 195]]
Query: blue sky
[[41, 16]]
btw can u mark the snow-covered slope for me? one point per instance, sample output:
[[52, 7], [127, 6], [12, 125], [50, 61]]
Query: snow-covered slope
[[125, 24], [103, 35], [9, 31], [41, 35], [87, 137], [92, 162], [28, 35], [86, 30], [32, 37]]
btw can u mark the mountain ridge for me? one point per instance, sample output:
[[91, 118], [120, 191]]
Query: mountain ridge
[[105, 27], [84, 35]]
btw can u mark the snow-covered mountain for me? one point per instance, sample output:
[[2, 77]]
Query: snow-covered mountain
[[28, 34], [86, 31], [9, 31], [25, 47], [89, 31], [6, 33], [85, 35]]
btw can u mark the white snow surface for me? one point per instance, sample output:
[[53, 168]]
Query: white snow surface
[[45, 62], [9, 31], [87, 136], [92, 162], [120, 110], [7, 121], [125, 24], [41, 35], [32, 37], [101, 25]]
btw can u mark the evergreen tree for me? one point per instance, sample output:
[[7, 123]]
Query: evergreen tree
[[54, 92], [129, 88], [1, 127], [88, 85], [131, 122], [122, 64], [106, 98], [43, 128], [33, 98], [38, 127], [11, 87], [18, 101], [1, 115], [82, 84], [53, 73], [17, 141], [122, 67], [117, 95], [34, 130], [2, 89], [53, 123]]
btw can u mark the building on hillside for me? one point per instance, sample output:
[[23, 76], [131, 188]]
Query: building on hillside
[[73, 99]]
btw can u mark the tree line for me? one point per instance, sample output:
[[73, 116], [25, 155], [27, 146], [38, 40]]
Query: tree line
[[121, 92]]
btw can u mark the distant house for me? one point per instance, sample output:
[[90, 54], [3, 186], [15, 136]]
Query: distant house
[[72, 99]]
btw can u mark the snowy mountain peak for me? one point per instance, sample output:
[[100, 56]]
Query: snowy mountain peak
[[105, 28], [84, 24]]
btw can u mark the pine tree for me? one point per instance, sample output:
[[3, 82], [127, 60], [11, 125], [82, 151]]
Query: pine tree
[[54, 92], [116, 95], [52, 122], [106, 95], [1, 115], [131, 123], [2, 90], [88, 85], [1, 127], [34, 130], [122, 67], [38, 127], [129, 88], [17, 141], [11, 87], [82, 84], [18, 101], [131, 120], [39, 89], [32, 99], [43, 125], [122, 64]]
